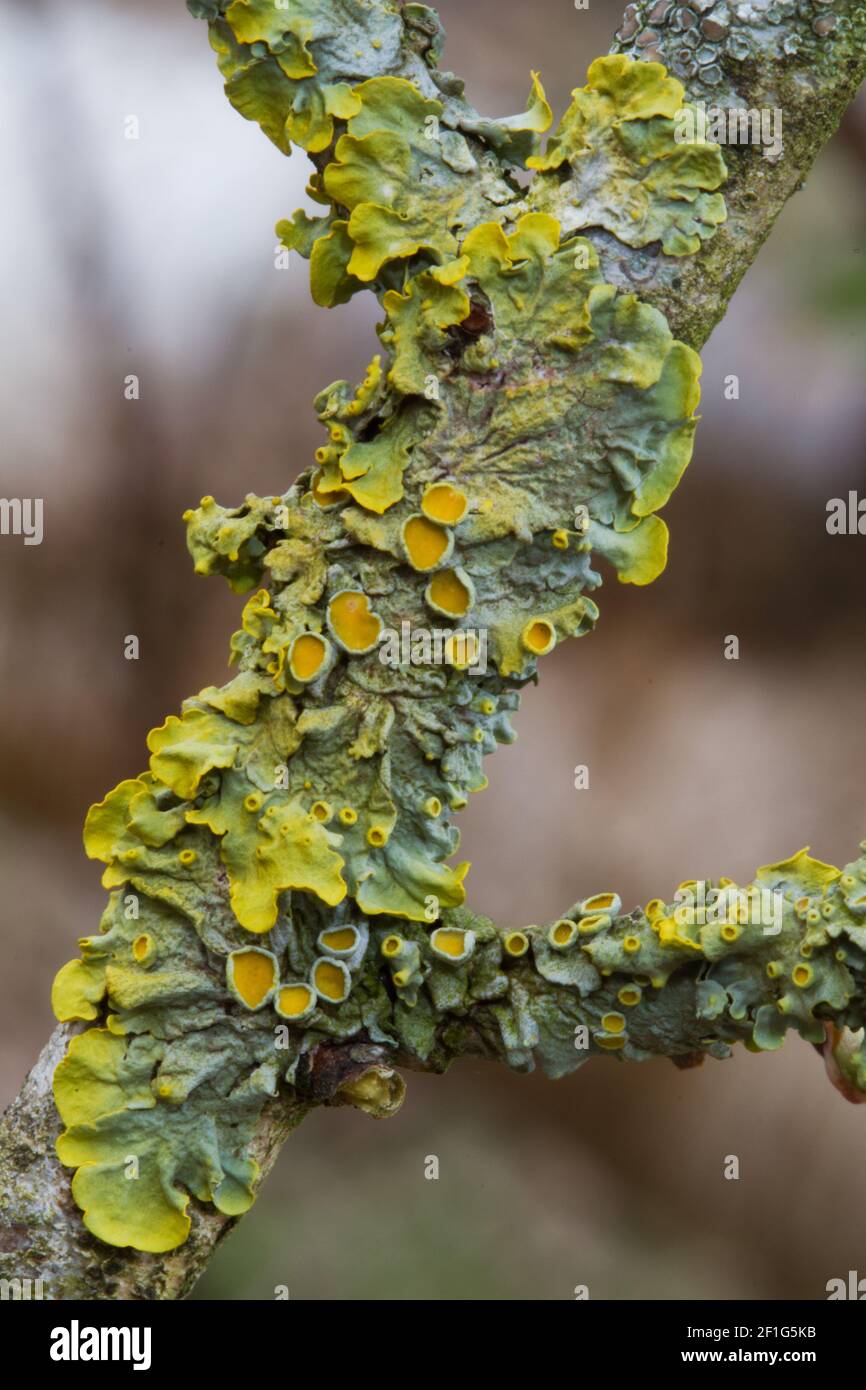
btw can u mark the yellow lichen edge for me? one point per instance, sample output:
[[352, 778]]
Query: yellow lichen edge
[[129, 1176], [615, 162]]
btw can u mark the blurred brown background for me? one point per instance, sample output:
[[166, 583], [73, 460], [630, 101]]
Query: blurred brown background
[[156, 257]]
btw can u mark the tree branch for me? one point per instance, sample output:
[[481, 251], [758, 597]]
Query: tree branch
[[805, 63], [288, 846]]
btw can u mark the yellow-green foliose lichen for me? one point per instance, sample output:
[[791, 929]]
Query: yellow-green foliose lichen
[[616, 162], [283, 874]]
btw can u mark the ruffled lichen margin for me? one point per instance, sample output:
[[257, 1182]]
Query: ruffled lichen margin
[[285, 925]]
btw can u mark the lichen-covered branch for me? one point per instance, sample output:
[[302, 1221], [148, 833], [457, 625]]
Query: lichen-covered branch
[[791, 65], [683, 979], [42, 1236], [286, 925]]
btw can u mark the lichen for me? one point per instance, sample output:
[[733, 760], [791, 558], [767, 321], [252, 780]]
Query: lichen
[[282, 877], [615, 162]]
